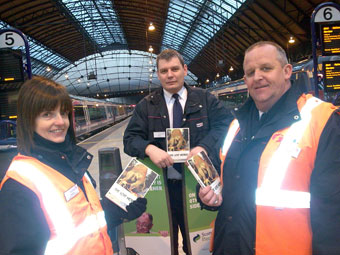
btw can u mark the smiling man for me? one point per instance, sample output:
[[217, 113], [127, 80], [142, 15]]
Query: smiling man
[[202, 113], [281, 167]]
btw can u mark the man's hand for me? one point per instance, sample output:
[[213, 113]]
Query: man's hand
[[158, 156], [209, 198], [196, 150]]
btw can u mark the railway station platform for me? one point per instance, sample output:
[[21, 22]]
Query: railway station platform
[[110, 137]]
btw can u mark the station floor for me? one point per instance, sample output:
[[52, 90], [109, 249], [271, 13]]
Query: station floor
[[111, 137]]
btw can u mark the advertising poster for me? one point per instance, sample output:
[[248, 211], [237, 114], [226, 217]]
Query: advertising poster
[[199, 221], [150, 233]]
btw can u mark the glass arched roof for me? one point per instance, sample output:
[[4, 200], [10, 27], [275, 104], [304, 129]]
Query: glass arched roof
[[191, 24], [115, 72], [99, 20]]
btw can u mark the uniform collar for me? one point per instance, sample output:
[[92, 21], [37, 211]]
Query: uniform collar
[[182, 94], [283, 113]]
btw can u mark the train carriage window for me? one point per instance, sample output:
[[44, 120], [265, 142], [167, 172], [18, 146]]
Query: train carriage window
[[121, 110], [7, 130], [115, 110], [109, 110], [79, 115], [97, 113], [301, 80], [232, 100]]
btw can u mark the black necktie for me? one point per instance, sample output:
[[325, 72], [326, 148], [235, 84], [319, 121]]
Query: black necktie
[[177, 115]]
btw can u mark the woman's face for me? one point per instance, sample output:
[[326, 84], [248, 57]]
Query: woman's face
[[52, 125]]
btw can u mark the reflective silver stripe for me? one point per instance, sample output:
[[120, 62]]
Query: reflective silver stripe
[[53, 203], [270, 192], [282, 198], [67, 235], [230, 136], [64, 243]]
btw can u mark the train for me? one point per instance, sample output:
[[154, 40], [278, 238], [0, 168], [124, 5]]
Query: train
[[89, 116], [234, 93]]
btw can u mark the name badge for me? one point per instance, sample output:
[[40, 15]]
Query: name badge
[[159, 134], [71, 193]]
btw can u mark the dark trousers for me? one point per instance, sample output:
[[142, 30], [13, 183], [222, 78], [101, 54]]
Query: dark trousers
[[177, 213]]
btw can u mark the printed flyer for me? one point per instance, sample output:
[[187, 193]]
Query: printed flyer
[[135, 181], [178, 143], [204, 171]]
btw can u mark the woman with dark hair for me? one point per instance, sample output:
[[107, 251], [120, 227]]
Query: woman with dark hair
[[48, 203]]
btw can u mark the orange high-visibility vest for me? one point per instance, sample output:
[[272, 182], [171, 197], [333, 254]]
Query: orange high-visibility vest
[[282, 195], [77, 225]]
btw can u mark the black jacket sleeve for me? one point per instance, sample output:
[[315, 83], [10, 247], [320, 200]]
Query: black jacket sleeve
[[136, 134], [24, 230], [325, 191]]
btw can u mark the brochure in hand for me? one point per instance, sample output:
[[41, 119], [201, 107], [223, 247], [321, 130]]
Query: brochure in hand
[[135, 181], [178, 143], [204, 171]]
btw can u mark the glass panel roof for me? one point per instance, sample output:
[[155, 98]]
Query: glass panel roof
[[191, 24], [42, 57], [99, 19], [118, 70]]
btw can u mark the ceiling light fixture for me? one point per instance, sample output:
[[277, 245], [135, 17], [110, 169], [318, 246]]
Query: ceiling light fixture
[[291, 40], [151, 27]]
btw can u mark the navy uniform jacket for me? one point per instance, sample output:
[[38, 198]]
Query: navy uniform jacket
[[204, 115]]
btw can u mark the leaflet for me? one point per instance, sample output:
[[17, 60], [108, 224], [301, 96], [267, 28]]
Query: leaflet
[[204, 171], [135, 181], [178, 143]]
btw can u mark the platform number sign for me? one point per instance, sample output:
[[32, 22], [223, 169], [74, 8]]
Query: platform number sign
[[11, 39], [327, 14]]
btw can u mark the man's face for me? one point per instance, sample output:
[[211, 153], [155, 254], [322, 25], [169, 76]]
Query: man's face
[[143, 224], [171, 74], [265, 77]]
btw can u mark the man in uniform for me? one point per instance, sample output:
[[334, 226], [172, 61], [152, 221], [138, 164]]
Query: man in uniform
[[200, 111]]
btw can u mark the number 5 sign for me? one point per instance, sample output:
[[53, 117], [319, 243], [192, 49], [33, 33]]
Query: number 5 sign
[[11, 39]]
